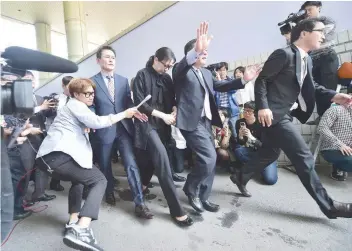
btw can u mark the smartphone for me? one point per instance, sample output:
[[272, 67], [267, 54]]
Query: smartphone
[[242, 124]]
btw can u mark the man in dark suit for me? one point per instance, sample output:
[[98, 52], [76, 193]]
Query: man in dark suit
[[197, 111], [113, 95], [286, 78]]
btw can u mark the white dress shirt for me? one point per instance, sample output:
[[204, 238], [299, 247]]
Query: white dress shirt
[[304, 56], [191, 58]]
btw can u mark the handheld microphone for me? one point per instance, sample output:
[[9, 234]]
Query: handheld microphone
[[27, 59], [144, 100]]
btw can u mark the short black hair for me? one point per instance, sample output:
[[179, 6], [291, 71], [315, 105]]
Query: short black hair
[[304, 25], [250, 105], [105, 47], [189, 46], [311, 3], [66, 80], [218, 66], [240, 68]]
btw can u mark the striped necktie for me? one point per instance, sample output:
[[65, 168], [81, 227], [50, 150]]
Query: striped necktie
[[111, 87]]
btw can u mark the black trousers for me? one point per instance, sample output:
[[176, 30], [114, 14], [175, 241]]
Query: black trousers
[[7, 193], [200, 180], [66, 169], [284, 135], [155, 159]]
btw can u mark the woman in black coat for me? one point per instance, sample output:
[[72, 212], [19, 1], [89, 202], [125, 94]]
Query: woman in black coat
[[152, 137]]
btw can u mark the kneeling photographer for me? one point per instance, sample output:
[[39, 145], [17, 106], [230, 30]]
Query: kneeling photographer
[[66, 154], [249, 137]]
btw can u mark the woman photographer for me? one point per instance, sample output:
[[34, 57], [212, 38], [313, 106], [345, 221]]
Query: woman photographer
[[66, 154]]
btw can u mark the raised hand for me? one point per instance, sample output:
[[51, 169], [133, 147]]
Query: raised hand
[[251, 72], [203, 39]]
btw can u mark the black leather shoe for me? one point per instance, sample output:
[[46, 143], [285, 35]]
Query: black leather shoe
[[110, 198], [196, 203], [22, 215], [211, 207], [238, 182], [342, 210], [185, 223], [143, 211], [45, 197], [178, 178], [56, 187]]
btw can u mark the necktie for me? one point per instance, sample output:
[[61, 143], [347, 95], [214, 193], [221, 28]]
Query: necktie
[[111, 87], [301, 101], [206, 111], [67, 99]]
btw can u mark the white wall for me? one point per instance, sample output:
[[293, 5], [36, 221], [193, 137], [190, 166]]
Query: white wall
[[240, 29]]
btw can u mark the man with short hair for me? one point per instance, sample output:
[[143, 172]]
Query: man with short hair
[[197, 111], [286, 78], [113, 95]]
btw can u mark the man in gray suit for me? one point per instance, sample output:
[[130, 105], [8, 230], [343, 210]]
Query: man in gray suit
[[113, 95], [197, 111]]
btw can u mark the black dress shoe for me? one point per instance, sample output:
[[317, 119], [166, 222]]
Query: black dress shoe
[[142, 211], [342, 210], [178, 178], [196, 203], [239, 183], [110, 198], [56, 187], [45, 197], [211, 207], [22, 215], [185, 223]]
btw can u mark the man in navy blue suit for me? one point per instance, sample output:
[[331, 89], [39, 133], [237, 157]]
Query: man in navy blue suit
[[113, 95]]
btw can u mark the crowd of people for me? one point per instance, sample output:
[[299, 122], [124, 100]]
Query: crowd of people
[[201, 115]]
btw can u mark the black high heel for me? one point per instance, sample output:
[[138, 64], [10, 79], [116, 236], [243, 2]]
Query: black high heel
[[184, 223]]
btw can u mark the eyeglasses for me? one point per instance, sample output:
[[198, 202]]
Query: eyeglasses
[[248, 111], [165, 65], [322, 31], [88, 94]]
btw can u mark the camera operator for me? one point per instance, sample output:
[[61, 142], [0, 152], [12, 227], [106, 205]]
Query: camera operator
[[25, 154]]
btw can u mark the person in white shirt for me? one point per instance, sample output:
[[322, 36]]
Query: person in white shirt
[[65, 96], [246, 94], [63, 99]]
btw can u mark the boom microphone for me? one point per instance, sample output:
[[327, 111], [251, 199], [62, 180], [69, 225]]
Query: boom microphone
[[27, 59]]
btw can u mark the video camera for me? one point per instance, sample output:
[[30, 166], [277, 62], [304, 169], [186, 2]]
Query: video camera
[[54, 97], [292, 19], [17, 93]]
